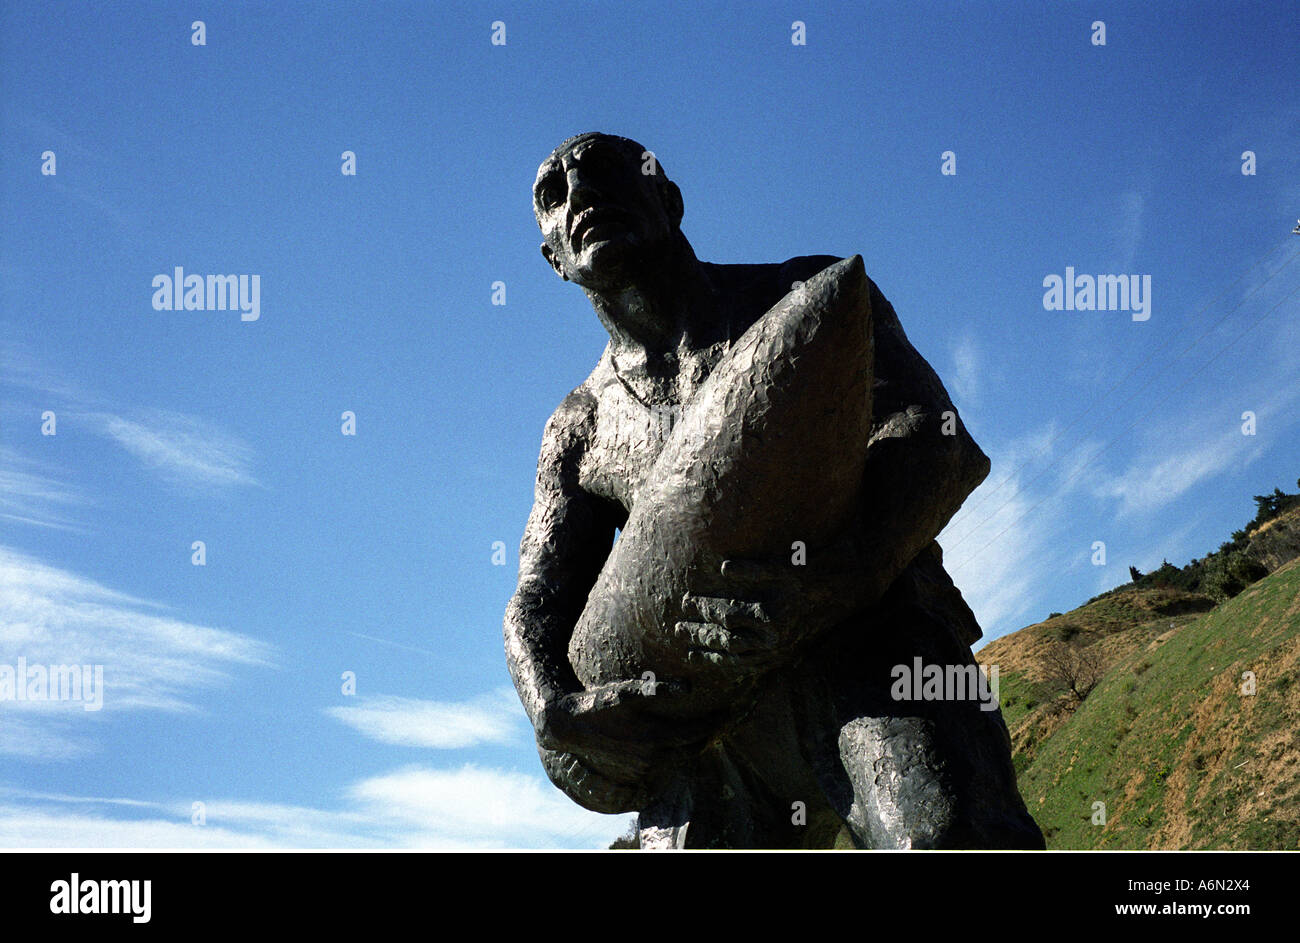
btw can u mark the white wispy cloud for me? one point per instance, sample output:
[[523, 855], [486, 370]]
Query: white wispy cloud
[[470, 807], [22, 826], [1128, 229], [474, 806], [28, 496], [1156, 478], [1140, 453], [23, 368], [51, 616], [1176, 450], [964, 381], [445, 725], [181, 448], [1014, 535]]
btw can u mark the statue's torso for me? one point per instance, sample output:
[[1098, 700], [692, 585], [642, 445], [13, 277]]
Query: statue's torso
[[625, 425], [625, 437], [630, 418]]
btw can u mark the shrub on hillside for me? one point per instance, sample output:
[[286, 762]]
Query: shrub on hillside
[[1065, 632], [1227, 574]]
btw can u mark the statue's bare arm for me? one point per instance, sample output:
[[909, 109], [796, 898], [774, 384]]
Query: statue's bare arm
[[566, 542]]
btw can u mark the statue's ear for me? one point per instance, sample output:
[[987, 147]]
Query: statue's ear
[[673, 202], [549, 255]]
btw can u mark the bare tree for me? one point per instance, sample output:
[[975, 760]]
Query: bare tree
[[629, 839], [1074, 670]]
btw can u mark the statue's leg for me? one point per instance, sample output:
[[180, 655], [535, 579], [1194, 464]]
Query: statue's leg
[[714, 804], [908, 774], [664, 825], [755, 789], [709, 805]]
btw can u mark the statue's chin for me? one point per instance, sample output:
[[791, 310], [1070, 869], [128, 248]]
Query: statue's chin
[[605, 264], [609, 265]]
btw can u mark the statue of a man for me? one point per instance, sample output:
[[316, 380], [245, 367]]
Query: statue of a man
[[820, 750]]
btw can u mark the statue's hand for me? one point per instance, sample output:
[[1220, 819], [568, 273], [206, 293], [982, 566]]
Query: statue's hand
[[606, 750], [615, 719], [600, 792], [771, 609]]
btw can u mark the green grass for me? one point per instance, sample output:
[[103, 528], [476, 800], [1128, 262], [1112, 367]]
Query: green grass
[[1128, 741]]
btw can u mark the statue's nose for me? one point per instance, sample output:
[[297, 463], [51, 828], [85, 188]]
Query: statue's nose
[[582, 194]]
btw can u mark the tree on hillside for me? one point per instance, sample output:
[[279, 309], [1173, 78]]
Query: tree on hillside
[[1071, 669], [628, 840], [1269, 506]]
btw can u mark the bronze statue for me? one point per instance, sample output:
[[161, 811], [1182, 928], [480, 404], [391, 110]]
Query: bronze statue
[[779, 460]]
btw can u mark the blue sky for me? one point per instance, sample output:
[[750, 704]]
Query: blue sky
[[373, 553]]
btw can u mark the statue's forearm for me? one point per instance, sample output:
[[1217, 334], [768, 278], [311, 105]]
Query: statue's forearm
[[564, 546], [536, 640], [916, 478]]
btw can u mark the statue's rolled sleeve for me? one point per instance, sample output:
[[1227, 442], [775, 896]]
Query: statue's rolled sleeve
[[921, 462]]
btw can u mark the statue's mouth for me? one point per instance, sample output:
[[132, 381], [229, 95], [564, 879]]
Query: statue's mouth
[[592, 224]]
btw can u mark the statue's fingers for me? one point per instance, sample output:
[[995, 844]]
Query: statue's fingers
[[728, 613], [641, 687], [713, 609], [636, 687], [717, 659], [738, 658], [704, 635], [735, 667], [752, 573], [709, 636]]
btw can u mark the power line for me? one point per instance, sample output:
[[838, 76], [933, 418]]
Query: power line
[[1214, 357], [968, 511], [1124, 403]]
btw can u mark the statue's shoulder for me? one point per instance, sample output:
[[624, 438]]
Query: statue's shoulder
[[803, 267], [573, 420], [755, 288]]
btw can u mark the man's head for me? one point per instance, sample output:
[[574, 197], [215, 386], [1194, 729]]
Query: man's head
[[606, 210]]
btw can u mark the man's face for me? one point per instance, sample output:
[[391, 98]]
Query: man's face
[[598, 212]]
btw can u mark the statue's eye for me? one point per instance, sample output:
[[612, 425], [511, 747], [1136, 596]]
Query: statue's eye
[[549, 193], [598, 159]]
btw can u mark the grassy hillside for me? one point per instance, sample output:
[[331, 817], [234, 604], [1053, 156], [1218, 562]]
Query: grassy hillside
[[1181, 757]]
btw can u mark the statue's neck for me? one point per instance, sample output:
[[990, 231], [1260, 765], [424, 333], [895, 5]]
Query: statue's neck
[[656, 317]]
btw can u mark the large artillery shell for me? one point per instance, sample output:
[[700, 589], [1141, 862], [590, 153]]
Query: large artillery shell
[[770, 452]]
